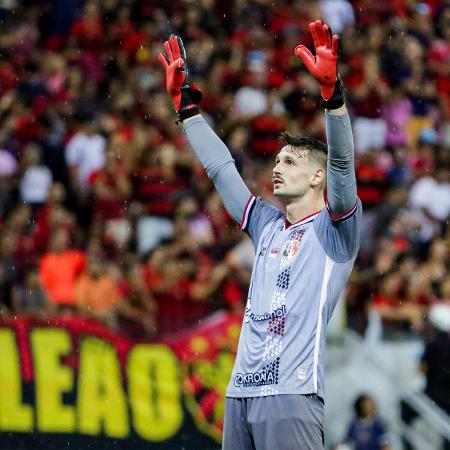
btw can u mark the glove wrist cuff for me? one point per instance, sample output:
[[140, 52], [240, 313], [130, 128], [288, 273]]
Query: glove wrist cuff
[[190, 98], [337, 99], [188, 111]]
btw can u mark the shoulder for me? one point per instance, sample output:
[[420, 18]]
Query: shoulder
[[258, 210], [339, 235]]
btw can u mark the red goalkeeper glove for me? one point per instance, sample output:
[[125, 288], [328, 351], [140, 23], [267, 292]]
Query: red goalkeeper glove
[[323, 66], [185, 95]]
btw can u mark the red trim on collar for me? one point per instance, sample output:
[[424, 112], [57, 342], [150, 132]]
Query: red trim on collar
[[287, 225]]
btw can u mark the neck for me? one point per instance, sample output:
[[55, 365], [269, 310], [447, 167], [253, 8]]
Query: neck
[[300, 207]]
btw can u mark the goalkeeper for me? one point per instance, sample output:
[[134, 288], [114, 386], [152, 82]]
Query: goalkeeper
[[304, 256]]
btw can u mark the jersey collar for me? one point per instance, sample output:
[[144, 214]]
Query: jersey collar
[[303, 221]]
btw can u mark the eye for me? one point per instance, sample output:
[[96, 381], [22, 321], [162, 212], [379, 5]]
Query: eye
[[290, 162]]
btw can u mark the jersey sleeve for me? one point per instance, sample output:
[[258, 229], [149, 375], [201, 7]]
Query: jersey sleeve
[[257, 215], [218, 164], [339, 235]]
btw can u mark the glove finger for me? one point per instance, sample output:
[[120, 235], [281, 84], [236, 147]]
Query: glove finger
[[183, 55], [168, 50], [326, 35], [181, 47], [321, 32], [307, 57], [316, 30], [173, 41], [335, 45], [162, 57], [313, 29]]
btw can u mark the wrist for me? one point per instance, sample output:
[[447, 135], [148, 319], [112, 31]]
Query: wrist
[[188, 111], [336, 101], [190, 98], [190, 119], [338, 111]]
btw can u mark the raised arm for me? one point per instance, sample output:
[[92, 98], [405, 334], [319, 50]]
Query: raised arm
[[341, 179], [210, 150]]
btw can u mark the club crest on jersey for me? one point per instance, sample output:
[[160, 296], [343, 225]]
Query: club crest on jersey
[[290, 249], [292, 246]]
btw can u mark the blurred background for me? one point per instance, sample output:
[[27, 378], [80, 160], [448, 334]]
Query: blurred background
[[108, 222]]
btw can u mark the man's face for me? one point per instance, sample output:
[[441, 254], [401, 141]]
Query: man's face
[[293, 174]]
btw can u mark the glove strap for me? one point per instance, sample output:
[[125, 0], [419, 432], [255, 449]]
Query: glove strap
[[188, 111], [338, 98], [190, 97]]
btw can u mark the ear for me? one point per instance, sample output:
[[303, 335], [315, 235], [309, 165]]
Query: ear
[[317, 177]]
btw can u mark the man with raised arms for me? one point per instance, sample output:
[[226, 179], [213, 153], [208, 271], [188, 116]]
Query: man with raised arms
[[304, 256]]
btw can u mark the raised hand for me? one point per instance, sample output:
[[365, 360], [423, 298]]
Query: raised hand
[[323, 66], [185, 95]]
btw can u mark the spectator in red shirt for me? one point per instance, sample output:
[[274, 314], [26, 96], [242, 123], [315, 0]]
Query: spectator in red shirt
[[369, 91], [52, 215], [88, 31], [137, 313], [159, 181], [111, 191]]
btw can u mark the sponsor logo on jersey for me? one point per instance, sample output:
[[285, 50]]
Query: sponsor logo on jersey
[[267, 375], [248, 311], [279, 312]]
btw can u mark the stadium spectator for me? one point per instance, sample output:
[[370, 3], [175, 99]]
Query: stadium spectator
[[137, 314], [59, 268], [429, 197], [52, 216], [369, 91], [81, 83], [111, 192], [36, 177], [8, 274], [85, 154], [29, 298], [367, 431], [97, 293]]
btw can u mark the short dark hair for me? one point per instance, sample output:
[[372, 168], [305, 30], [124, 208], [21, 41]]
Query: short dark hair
[[358, 405], [316, 149]]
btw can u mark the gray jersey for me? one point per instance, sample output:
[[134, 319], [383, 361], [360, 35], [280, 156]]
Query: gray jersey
[[299, 273]]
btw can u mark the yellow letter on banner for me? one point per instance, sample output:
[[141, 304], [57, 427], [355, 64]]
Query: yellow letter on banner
[[52, 380], [154, 391], [101, 398], [14, 415]]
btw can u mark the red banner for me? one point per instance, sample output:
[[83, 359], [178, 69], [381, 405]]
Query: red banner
[[73, 378]]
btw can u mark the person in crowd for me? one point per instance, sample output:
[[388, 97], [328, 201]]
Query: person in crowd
[[59, 269], [367, 431]]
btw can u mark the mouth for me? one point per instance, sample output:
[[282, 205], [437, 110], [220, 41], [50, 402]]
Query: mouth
[[277, 182]]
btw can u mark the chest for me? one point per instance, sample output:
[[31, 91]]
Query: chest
[[281, 248], [283, 272]]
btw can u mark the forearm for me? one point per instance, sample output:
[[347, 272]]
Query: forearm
[[219, 165], [341, 179]]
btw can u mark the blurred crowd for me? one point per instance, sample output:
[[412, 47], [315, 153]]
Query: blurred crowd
[[104, 211]]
